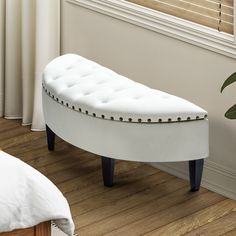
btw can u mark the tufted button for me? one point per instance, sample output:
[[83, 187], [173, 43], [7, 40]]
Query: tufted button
[[69, 67], [101, 82], [87, 93], [118, 98], [71, 85], [118, 89], [57, 77], [85, 74]]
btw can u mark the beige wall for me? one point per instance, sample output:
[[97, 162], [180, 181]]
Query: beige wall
[[167, 64]]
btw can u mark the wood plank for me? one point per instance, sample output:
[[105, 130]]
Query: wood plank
[[231, 232], [218, 227], [43, 229], [133, 207], [196, 220], [42, 157], [83, 169], [171, 214], [93, 178], [19, 141], [142, 201], [37, 142], [20, 232], [5, 125], [67, 162], [138, 182], [92, 186]]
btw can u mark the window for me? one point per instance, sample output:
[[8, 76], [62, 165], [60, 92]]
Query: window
[[217, 14], [205, 23]]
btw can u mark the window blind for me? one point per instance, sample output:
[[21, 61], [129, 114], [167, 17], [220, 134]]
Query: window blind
[[217, 14]]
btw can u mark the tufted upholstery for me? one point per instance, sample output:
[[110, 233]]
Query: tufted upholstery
[[105, 113], [89, 88]]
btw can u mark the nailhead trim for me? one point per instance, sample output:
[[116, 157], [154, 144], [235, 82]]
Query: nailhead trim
[[149, 120]]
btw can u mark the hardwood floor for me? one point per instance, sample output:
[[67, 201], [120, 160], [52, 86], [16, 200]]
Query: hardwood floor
[[143, 201]]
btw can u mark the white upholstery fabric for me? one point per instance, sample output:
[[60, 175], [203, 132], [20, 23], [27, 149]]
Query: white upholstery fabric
[[73, 85], [90, 88], [146, 142], [28, 198]]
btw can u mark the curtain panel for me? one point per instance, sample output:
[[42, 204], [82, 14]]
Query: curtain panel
[[29, 39]]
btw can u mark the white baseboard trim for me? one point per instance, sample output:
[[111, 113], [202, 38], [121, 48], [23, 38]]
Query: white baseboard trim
[[215, 178]]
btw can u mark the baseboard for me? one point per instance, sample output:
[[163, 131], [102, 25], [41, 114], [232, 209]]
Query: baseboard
[[215, 177]]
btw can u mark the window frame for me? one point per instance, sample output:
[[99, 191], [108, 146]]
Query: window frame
[[165, 24]]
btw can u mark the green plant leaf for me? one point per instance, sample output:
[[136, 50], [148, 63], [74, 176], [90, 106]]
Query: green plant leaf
[[231, 113], [230, 80]]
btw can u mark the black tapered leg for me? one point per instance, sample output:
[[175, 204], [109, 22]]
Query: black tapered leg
[[50, 138], [108, 165], [195, 174]]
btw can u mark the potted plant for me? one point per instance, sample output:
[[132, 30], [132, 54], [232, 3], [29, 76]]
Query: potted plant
[[231, 113]]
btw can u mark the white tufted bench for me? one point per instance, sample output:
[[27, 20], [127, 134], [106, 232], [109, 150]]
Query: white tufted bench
[[103, 112]]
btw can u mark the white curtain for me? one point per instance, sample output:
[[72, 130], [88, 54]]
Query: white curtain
[[29, 39]]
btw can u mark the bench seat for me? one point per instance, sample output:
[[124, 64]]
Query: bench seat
[[98, 110]]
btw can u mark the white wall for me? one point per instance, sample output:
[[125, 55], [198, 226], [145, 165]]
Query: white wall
[[167, 64]]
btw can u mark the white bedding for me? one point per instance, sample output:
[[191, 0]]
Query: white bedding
[[28, 198]]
